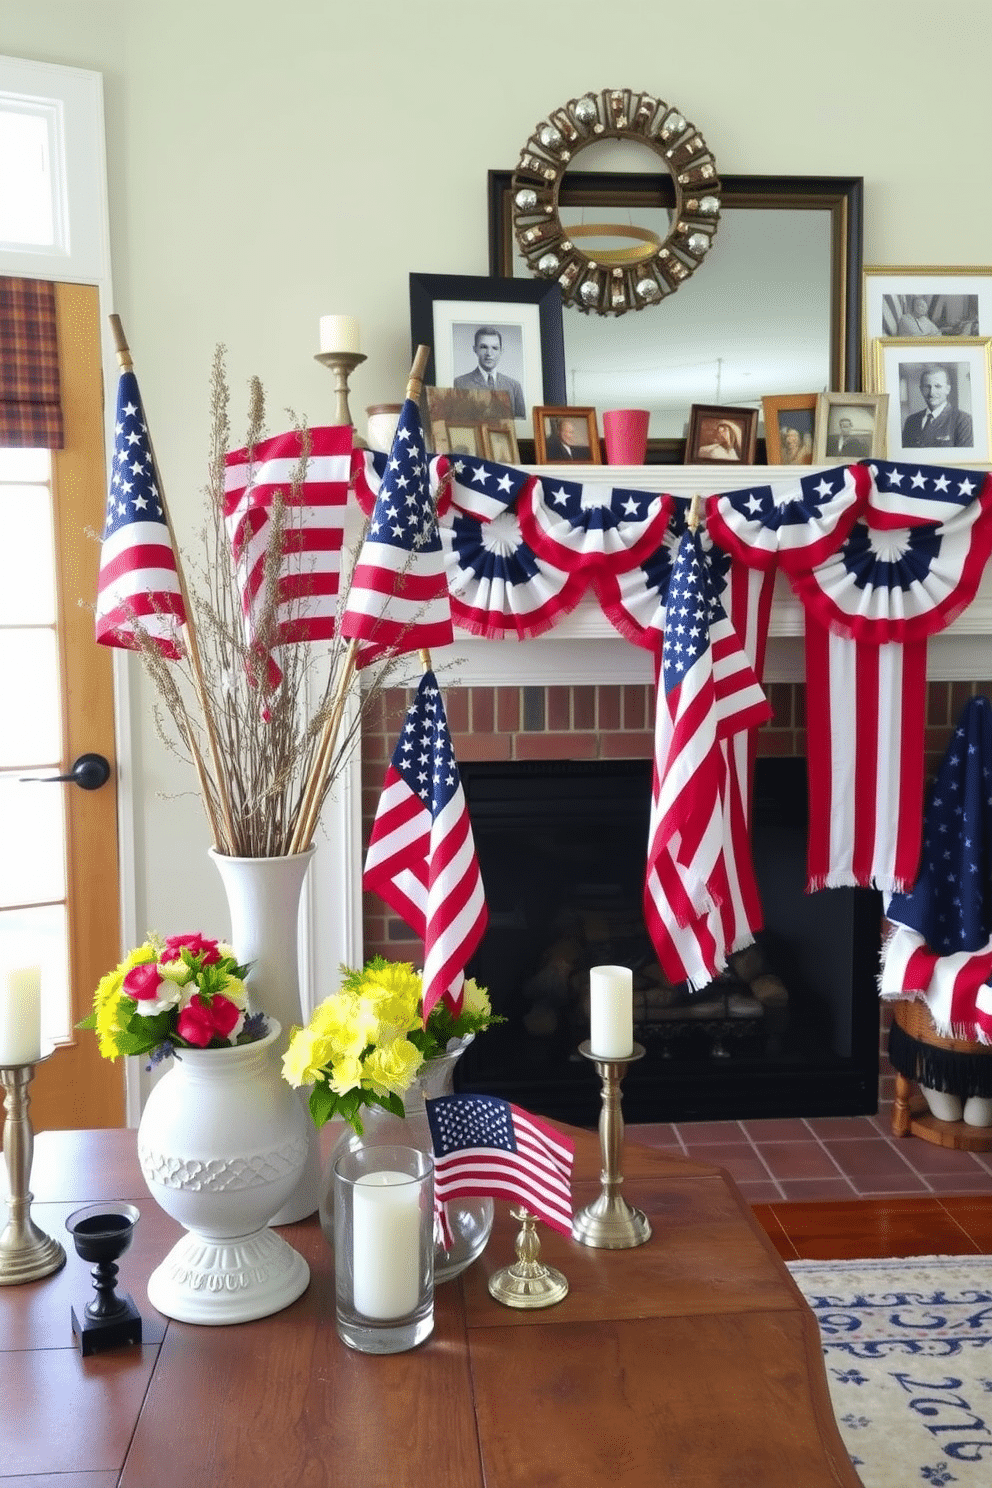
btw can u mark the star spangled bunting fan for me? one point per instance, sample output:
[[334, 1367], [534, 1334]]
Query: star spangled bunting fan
[[421, 856]]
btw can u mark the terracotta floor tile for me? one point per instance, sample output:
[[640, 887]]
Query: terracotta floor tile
[[978, 1182], [843, 1128], [756, 1192], [871, 1156], [695, 1132], [797, 1160], [778, 1129], [880, 1185], [654, 1134], [927, 1158], [799, 1190], [740, 1159]]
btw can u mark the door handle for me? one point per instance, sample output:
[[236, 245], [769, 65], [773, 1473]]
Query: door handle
[[89, 772]]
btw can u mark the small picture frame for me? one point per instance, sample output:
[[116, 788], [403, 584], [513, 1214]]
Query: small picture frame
[[719, 435], [563, 435], [458, 416], [499, 443], [790, 425], [849, 427], [939, 398]]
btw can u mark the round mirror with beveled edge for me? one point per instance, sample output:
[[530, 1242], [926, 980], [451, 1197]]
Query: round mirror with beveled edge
[[608, 267]]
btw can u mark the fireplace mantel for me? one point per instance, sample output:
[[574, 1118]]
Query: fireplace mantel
[[584, 649]]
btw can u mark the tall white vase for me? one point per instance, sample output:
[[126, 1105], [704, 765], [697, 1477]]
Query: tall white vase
[[221, 1143], [263, 896]]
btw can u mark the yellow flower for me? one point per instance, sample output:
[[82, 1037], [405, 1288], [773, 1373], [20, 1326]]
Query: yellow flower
[[346, 1075], [476, 998], [393, 1066], [394, 991], [109, 999]]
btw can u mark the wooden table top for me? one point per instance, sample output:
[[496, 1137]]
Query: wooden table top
[[691, 1360]]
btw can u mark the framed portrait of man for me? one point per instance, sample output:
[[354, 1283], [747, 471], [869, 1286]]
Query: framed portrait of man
[[491, 336], [849, 427], [939, 398], [923, 303], [566, 435]]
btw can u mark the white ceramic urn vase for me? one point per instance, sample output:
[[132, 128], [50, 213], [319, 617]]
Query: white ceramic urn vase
[[263, 897], [222, 1142]]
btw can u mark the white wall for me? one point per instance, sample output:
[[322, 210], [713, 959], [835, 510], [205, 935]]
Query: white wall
[[272, 162]]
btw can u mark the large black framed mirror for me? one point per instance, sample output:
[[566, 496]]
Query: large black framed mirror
[[774, 310]]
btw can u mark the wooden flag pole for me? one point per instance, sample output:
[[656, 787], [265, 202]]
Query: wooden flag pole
[[219, 784], [306, 823], [695, 512]]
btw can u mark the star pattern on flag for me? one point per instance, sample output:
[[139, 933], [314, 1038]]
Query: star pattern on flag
[[475, 1121], [403, 516], [133, 494], [424, 756], [690, 612]]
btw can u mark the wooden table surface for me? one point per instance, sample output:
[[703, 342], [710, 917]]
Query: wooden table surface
[[692, 1360]]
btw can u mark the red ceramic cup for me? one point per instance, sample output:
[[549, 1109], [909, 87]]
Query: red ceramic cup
[[625, 431]]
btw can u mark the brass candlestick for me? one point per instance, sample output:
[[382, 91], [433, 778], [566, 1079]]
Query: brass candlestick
[[26, 1252], [342, 364], [530, 1283], [609, 1222]]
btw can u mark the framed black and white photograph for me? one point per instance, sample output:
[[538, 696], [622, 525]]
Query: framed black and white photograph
[[499, 443], [924, 304], [790, 421], [491, 335], [938, 397], [850, 426], [565, 434], [718, 434]]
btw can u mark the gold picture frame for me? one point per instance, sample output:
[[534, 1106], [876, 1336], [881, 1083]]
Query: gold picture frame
[[551, 443], [957, 302], [789, 440], [850, 427], [962, 425]]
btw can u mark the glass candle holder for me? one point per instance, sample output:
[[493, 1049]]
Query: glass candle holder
[[384, 1248]]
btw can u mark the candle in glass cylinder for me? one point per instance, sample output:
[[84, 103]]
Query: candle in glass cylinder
[[387, 1244], [611, 1012], [20, 1015], [340, 333]]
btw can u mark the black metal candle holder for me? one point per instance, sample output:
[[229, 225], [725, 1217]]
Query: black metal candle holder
[[102, 1233]]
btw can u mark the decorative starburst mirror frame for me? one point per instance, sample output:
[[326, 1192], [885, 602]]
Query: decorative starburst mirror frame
[[612, 280]]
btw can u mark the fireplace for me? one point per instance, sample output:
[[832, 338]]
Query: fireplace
[[791, 1029]]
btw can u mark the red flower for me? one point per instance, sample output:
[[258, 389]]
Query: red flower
[[142, 982], [200, 1021], [195, 944]]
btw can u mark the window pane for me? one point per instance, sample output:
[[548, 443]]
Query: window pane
[[26, 198], [29, 668], [25, 464], [32, 865], [41, 940], [27, 566]]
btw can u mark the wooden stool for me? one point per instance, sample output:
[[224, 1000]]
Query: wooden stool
[[910, 1115]]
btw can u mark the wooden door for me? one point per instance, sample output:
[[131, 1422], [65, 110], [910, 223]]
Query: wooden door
[[69, 902]]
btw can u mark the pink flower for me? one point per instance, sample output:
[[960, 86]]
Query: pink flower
[[195, 944], [200, 1021], [142, 982]]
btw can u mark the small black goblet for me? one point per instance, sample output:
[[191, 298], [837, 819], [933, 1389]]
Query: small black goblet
[[102, 1233]]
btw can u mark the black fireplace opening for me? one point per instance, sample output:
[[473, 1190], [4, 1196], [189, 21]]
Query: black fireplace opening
[[790, 1029]]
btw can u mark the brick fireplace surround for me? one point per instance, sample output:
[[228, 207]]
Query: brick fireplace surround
[[587, 723]]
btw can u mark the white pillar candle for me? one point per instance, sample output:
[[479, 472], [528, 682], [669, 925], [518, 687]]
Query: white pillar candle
[[611, 1012], [340, 333], [20, 1015], [386, 1221]]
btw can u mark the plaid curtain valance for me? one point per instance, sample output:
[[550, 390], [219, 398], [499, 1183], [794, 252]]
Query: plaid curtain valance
[[30, 400]]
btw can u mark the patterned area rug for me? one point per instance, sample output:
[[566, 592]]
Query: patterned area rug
[[908, 1352]]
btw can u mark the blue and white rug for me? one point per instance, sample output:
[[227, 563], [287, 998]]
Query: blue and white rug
[[908, 1351]]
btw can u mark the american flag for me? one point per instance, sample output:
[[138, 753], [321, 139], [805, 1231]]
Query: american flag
[[486, 1146], [398, 599], [310, 559], [941, 948], [700, 898], [421, 856], [138, 578]]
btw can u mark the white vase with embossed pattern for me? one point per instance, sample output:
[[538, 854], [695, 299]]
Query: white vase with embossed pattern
[[222, 1143]]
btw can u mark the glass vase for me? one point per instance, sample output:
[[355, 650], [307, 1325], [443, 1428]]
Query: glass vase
[[470, 1220]]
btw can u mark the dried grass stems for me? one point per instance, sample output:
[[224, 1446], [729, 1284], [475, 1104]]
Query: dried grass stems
[[263, 758]]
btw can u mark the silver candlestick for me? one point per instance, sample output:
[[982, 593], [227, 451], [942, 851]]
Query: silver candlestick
[[609, 1222], [26, 1252], [342, 364]]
